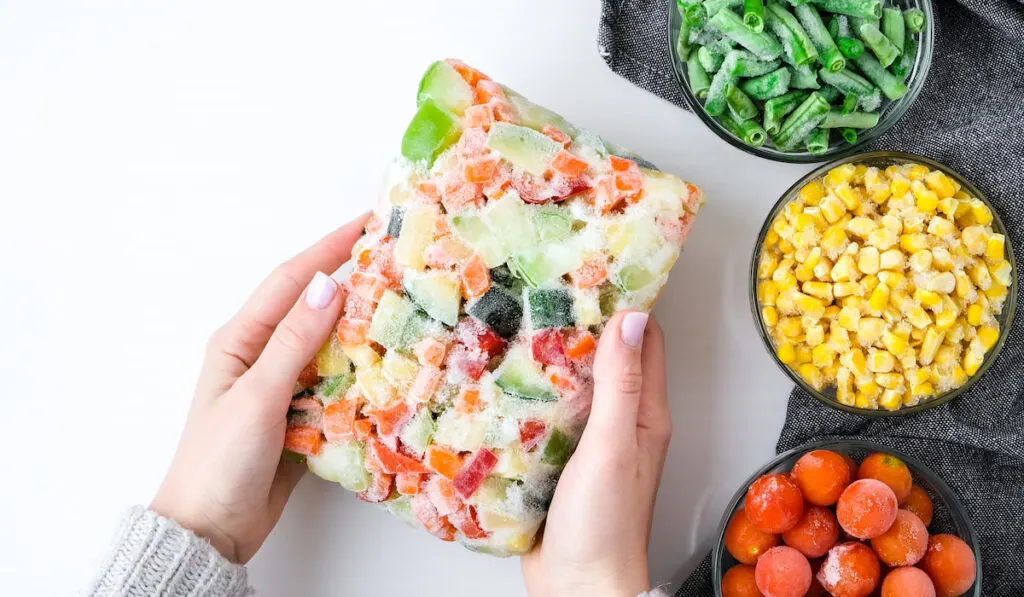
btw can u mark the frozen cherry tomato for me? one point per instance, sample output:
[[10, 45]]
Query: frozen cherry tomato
[[783, 572], [908, 582], [950, 563], [889, 470], [850, 462], [774, 503], [815, 532], [904, 543], [867, 508], [745, 541], [850, 570], [920, 504], [822, 476], [739, 581]]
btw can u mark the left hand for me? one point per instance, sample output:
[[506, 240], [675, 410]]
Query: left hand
[[228, 481]]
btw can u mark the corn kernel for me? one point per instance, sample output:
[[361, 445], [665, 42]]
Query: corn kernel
[[942, 185], [988, 336], [891, 400], [919, 317], [845, 270], [870, 329], [812, 192], [996, 292], [811, 375], [803, 354], [982, 214], [941, 259], [995, 250], [834, 241], [945, 319], [927, 200], [809, 305], [831, 312], [964, 287], [1001, 272], [832, 208], [972, 362], [932, 341], [946, 355], [921, 261], [839, 175], [893, 259], [927, 298], [923, 390], [839, 338], [771, 238], [947, 207], [862, 227], [880, 361], [955, 334], [803, 273], [980, 276], [975, 238], [844, 289], [883, 238], [822, 290], [854, 361], [899, 185], [889, 381], [974, 314], [786, 353], [912, 243], [901, 300], [791, 327], [894, 280], [959, 375], [823, 269], [941, 227], [943, 283], [770, 316], [895, 344], [767, 264], [849, 317], [815, 335], [823, 356], [786, 247], [869, 388], [917, 171], [868, 260]]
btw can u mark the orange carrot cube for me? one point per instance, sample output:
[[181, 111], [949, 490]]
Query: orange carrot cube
[[353, 331], [303, 440], [339, 420], [369, 286], [581, 347], [426, 382], [443, 461], [429, 352], [469, 400], [556, 135], [589, 274], [408, 483], [568, 164], [476, 278]]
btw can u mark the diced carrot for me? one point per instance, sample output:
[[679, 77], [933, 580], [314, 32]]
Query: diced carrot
[[444, 461], [620, 164], [581, 346], [441, 225], [379, 489], [503, 111], [462, 196], [353, 331], [628, 178], [693, 198], [408, 483], [605, 197], [476, 278], [363, 429], [469, 400], [357, 307], [303, 440], [478, 116], [442, 495], [392, 462], [389, 420], [429, 352], [562, 379], [470, 74], [685, 223], [428, 190], [589, 274], [428, 516], [480, 170], [556, 134], [501, 181], [488, 90], [339, 420], [426, 382], [568, 164], [364, 258], [466, 522], [369, 286], [472, 144], [308, 377]]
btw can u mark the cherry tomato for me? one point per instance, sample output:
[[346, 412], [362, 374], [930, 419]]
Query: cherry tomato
[[850, 462], [774, 503], [815, 533], [920, 504], [867, 508], [951, 565], [889, 470], [908, 582], [739, 581], [822, 476], [783, 572], [905, 543], [745, 541], [850, 570]]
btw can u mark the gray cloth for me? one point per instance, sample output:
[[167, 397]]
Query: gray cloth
[[969, 116], [153, 556]]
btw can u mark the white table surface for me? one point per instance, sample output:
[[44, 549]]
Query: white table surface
[[158, 159]]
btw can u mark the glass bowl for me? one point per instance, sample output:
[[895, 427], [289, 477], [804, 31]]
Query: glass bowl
[[883, 159], [890, 111], [950, 516]]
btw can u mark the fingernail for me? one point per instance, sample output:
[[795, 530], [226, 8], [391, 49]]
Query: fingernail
[[633, 325], [321, 291]]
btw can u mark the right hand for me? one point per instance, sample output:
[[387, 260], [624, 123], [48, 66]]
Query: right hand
[[599, 524]]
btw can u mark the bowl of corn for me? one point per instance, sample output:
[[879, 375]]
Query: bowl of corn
[[883, 284]]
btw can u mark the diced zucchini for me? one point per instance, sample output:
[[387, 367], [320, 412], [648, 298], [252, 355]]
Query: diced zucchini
[[400, 371], [416, 434], [333, 389], [341, 463], [443, 84], [550, 308], [523, 147], [522, 377], [462, 432], [492, 493], [537, 117], [417, 232], [552, 223], [361, 354], [390, 320], [558, 449], [432, 130], [498, 309], [437, 293], [377, 390], [633, 277], [395, 221], [331, 359], [401, 508], [633, 238], [420, 326], [588, 308], [509, 219], [503, 276], [546, 264], [473, 231]]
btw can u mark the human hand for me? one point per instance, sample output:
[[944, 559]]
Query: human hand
[[228, 481], [599, 523]]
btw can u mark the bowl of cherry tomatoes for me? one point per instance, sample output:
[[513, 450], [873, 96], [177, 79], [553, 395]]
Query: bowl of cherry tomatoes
[[846, 519]]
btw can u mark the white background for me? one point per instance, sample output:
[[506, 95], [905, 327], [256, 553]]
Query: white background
[[158, 159]]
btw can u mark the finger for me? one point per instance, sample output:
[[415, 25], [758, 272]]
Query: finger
[[245, 336], [618, 377], [653, 416], [295, 340], [289, 473]]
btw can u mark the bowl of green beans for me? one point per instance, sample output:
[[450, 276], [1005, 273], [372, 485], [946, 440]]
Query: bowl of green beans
[[800, 80]]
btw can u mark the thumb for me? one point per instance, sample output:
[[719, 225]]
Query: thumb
[[618, 376]]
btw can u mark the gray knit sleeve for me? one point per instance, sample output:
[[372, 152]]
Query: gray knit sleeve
[[153, 556]]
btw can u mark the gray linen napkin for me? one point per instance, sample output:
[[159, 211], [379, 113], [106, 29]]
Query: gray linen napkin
[[969, 116]]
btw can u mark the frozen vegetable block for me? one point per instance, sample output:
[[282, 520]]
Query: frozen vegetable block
[[460, 376]]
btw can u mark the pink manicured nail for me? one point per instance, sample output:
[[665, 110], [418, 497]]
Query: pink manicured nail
[[321, 291], [633, 325]]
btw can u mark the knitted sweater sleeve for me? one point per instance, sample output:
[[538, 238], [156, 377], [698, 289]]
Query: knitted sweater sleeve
[[153, 555]]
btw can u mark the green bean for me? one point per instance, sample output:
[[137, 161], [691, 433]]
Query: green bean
[[710, 58], [761, 44], [739, 104], [768, 85], [683, 47], [716, 104], [744, 64], [715, 6], [833, 26], [905, 64], [705, 35], [698, 77], [851, 48], [891, 85], [847, 81], [748, 131], [797, 45], [879, 44], [803, 77], [753, 15], [831, 57], [893, 27], [850, 135], [817, 141], [695, 16], [854, 120], [843, 25], [777, 107], [870, 103], [830, 93], [915, 20], [801, 122], [856, 8], [849, 103]]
